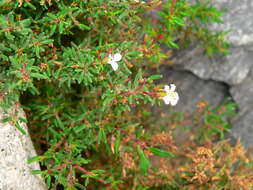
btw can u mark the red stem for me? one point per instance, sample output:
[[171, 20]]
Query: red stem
[[89, 172], [139, 142], [136, 90], [57, 168], [153, 94], [172, 6], [58, 144], [70, 178]]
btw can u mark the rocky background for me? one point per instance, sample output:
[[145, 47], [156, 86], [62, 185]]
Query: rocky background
[[15, 150], [199, 77]]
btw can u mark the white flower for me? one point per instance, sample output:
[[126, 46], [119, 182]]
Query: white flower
[[171, 96], [113, 59]]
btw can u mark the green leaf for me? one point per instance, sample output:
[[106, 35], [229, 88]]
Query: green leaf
[[87, 181], [53, 132], [34, 172], [160, 152], [47, 41], [137, 78], [60, 27], [83, 26], [173, 44], [52, 29], [20, 128], [79, 128], [178, 21], [59, 122], [6, 119], [48, 181], [27, 4], [101, 136], [38, 76], [117, 143], [22, 119], [34, 159], [144, 163], [154, 77]]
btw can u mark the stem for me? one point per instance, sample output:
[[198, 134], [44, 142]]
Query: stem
[[90, 173], [153, 94], [127, 93], [70, 177], [57, 168], [172, 6], [140, 143], [58, 144]]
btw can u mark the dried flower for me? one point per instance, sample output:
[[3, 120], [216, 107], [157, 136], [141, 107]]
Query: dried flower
[[113, 59], [171, 96]]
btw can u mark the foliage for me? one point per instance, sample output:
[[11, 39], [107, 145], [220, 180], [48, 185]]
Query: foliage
[[88, 121], [179, 23], [202, 159]]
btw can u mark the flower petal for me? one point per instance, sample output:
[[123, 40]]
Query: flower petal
[[173, 102], [166, 88], [110, 61], [117, 57], [167, 99], [114, 65], [172, 87], [175, 99]]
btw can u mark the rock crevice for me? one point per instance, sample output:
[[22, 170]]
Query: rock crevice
[[235, 69]]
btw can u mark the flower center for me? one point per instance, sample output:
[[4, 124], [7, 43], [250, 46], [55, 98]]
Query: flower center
[[173, 95]]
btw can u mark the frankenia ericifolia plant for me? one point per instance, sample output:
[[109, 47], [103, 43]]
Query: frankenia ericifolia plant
[[79, 69]]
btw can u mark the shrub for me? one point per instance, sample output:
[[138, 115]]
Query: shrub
[[79, 69]]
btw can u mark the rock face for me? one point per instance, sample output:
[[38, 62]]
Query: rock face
[[232, 69], [238, 20], [236, 69], [15, 150]]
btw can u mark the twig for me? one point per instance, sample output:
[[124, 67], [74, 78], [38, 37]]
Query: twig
[[90, 173]]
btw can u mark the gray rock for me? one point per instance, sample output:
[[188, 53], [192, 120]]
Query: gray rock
[[238, 20], [232, 69], [243, 127], [243, 93], [235, 69], [15, 150], [243, 123]]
